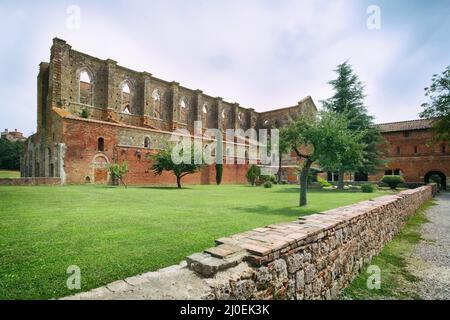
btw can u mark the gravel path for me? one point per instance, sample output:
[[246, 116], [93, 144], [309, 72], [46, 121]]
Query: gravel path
[[432, 255]]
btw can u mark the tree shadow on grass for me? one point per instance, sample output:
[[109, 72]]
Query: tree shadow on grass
[[293, 212], [163, 188], [143, 187], [312, 191]]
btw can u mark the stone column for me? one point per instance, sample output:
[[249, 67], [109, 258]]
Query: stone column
[[146, 101], [174, 115], [235, 113], [59, 165], [113, 104], [219, 109], [198, 105], [252, 118], [59, 73]]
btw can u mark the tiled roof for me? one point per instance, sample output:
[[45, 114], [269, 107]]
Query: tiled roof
[[418, 124]]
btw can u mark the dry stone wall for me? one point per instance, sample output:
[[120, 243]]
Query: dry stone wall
[[30, 181], [314, 257]]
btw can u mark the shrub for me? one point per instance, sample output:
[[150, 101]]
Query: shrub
[[267, 184], [253, 174], [85, 113], [368, 188], [266, 178], [436, 179], [284, 182], [393, 181], [323, 183], [117, 172]]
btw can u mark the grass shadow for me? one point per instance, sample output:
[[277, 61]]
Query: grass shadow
[[297, 190], [163, 187], [293, 212]]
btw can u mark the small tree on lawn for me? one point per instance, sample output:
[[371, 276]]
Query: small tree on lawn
[[253, 174], [117, 172], [393, 181], [325, 139], [162, 161]]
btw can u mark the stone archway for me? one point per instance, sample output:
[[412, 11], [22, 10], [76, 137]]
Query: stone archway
[[442, 177], [100, 169]]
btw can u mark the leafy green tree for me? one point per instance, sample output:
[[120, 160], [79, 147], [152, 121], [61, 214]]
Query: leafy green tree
[[324, 139], [438, 108], [117, 172], [253, 174], [283, 148], [348, 100], [10, 153], [162, 161]]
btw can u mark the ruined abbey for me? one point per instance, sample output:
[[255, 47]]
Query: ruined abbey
[[94, 112]]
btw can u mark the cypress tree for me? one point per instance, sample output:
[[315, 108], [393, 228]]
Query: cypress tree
[[348, 100]]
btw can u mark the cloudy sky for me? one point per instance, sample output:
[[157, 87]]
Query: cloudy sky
[[263, 54]]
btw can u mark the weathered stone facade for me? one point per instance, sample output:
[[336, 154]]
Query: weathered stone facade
[[93, 112], [312, 258]]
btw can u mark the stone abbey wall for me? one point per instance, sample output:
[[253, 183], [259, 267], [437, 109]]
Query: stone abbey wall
[[314, 257], [147, 100], [82, 99]]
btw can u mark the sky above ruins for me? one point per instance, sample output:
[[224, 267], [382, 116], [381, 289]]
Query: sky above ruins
[[261, 54]]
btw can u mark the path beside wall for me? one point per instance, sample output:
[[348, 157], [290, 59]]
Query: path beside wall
[[314, 257], [430, 260]]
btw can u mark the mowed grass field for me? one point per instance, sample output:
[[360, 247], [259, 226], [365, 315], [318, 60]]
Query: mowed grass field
[[112, 233], [9, 174]]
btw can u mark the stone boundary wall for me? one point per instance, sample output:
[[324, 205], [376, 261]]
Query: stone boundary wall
[[30, 181], [314, 257]]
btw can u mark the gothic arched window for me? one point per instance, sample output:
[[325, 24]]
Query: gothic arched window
[[85, 87]]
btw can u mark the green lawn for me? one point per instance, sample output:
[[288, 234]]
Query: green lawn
[[9, 174], [112, 233]]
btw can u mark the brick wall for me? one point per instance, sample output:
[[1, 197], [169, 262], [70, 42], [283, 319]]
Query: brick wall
[[314, 257], [415, 156], [83, 162]]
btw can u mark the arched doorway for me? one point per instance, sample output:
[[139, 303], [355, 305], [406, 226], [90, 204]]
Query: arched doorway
[[100, 167], [429, 177]]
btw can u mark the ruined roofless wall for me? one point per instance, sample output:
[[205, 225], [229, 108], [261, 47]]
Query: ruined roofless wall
[[314, 257], [151, 101]]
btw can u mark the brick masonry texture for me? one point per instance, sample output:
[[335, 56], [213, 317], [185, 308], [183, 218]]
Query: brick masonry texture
[[409, 152], [314, 257]]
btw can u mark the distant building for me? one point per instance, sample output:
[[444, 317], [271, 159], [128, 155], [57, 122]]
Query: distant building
[[411, 155], [13, 135]]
